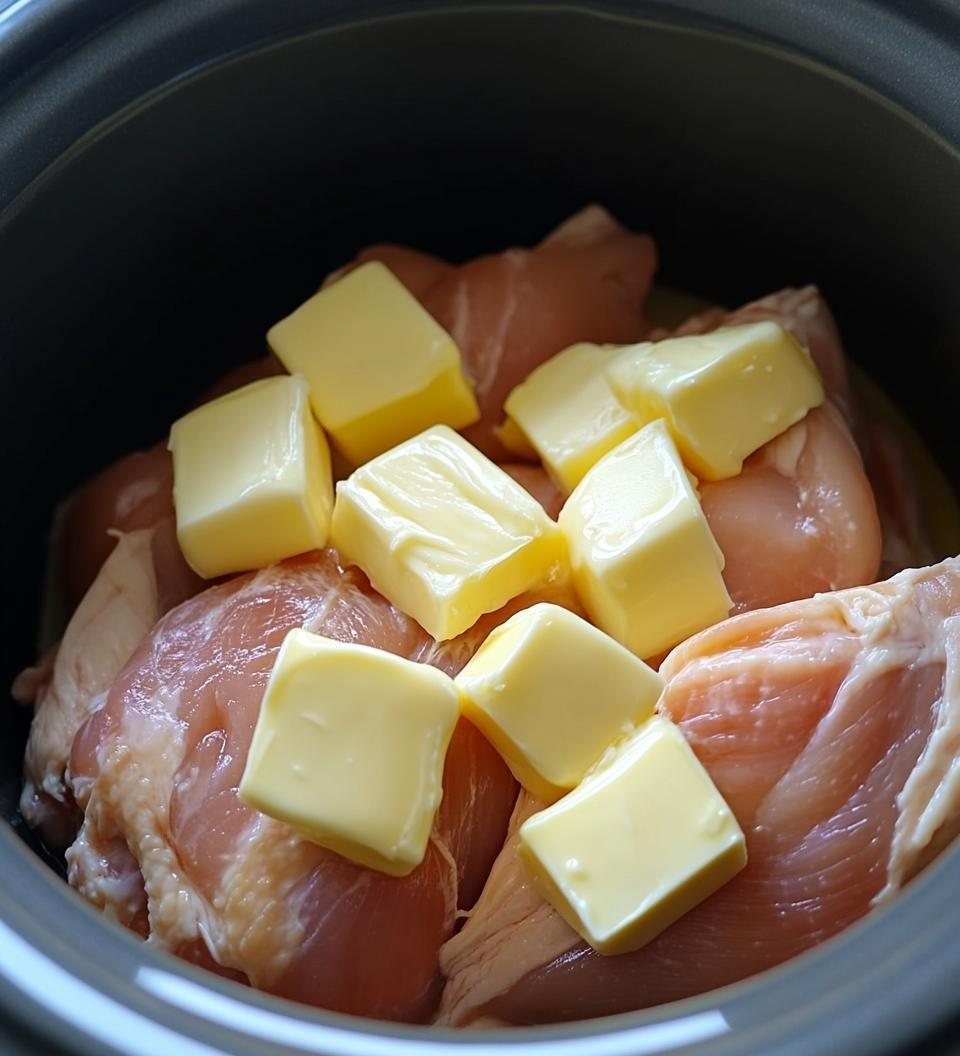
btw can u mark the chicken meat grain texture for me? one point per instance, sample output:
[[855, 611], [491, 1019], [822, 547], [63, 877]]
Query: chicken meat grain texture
[[156, 771], [831, 726]]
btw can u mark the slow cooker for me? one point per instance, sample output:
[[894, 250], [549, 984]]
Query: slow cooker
[[174, 176]]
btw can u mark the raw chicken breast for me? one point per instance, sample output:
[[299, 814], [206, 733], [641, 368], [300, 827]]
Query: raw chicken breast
[[509, 312], [906, 541], [134, 492], [169, 849], [800, 518], [118, 610], [832, 728], [142, 578], [121, 569]]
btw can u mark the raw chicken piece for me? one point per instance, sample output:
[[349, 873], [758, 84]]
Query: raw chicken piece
[[832, 727], [118, 553], [906, 543], [157, 768], [132, 583], [799, 519], [135, 492], [142, 578], [509, 312], [116, 613]]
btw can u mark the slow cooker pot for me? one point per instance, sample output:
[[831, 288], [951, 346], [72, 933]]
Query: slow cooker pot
[[175, 176]]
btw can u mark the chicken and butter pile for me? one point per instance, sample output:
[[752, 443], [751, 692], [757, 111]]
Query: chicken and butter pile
[[489, 655]]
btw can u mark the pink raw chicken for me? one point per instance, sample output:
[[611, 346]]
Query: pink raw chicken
[[508, 312], [831, 727], [168, 848], [119, 554], [134, 492], [799, 519]]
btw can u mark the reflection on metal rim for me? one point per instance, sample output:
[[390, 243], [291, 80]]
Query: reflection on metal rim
[[278, 1029], [71, 999]]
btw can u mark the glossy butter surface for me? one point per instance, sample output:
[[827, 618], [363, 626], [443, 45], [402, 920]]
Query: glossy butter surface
[[722, 394], [349, 749], [640, 842], [442, 532], [644, 562], [568, 412], [551, 693], [251, 478], [380, 368]]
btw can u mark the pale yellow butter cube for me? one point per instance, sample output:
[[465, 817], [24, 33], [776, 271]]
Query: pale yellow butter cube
[[349, 749], [380, 368], [722, 394], [644, 839], [442, 532], [251, 478], [644, 561], [552, 693], [568, 412]]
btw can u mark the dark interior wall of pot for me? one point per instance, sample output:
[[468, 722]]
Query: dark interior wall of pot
[[160, 250]]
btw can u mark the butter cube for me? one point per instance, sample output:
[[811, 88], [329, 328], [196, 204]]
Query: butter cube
[[251, 478], [349, 749], [552, 693], [380, 368], [569, 413], [644, 561], [644, 839], [722, 394], [442, 532]]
